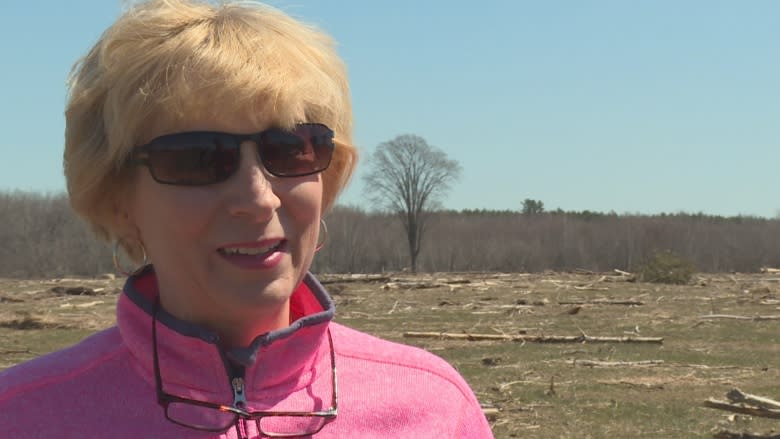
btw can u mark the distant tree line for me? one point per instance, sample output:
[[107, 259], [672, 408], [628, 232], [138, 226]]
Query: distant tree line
[[511, 241], [41, 237]]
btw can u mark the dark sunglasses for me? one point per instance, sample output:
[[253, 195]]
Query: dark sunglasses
[[206, 157]]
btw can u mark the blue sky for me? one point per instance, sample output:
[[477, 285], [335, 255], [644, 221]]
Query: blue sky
[[644, 106]]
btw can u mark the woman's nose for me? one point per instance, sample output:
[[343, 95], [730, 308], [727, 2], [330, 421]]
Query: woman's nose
[[251, 191]]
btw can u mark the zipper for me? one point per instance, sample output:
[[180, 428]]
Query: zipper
[[239, 397], [239, 401], [235, 374]]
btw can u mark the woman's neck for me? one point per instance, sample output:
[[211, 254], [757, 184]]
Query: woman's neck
[[237, 327]]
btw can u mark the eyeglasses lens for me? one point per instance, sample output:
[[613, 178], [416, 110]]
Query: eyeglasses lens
[[194, 160], [306, 151], [200, 417], [290, 426], [212, 419], [199, 158]]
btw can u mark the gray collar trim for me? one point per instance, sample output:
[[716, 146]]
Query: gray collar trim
[[247, 355]]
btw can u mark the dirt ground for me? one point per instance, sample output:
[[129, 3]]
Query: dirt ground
[[530, 385]]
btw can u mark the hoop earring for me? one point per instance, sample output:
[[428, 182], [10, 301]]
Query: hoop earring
[[323, 235], [118, 267]]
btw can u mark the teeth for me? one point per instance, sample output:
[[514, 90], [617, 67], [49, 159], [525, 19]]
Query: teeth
[[253, 251]]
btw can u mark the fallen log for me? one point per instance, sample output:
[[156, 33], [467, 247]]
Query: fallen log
[[726, 434], [727, 316], [738, 396], [601, 302], [595, 363], [591, 285], [708, 367], [519, 306], [533, 338], [590, 288], [24, 351], [75, 291], [742, 409], [412, 285], [490, 413], [583, 271], [354, 278], [82, 305], [456, 281]]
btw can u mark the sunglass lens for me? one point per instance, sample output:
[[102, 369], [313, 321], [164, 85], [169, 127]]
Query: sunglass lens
[[194, 161], [306, 150]]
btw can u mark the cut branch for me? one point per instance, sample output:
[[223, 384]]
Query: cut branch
[[337, 279], [725, 434], [727, 316], [24, 351], [593, 363], [533, 338], [742, 409], [591, 286], [490, 413], [412, 285], [601, 302], [738, 396]]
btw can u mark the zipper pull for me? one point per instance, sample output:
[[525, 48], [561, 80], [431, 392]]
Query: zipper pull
[[239, 398]]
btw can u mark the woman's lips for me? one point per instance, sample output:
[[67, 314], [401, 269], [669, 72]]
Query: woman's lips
[[261, 255]]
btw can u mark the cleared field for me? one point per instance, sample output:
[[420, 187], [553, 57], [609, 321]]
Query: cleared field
[[582, 389]]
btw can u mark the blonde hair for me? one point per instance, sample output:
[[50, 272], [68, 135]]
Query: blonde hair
[[168, 61]]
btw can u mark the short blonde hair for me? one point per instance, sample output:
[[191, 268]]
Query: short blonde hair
[[168, 61]]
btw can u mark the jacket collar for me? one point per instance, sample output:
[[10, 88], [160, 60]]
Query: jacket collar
[[193, 364]]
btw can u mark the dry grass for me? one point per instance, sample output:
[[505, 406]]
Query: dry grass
[[539, 389]]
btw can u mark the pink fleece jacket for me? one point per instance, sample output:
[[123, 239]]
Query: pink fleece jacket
[[105, 385]]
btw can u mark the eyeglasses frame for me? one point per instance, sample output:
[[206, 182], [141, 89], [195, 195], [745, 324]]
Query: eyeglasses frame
[[164, 398]]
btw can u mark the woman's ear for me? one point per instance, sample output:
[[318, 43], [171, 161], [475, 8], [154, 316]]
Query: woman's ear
[[125, 226], [126, 230], [123, 209]]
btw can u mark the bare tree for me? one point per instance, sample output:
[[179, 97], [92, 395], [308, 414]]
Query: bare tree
[[409, 177]]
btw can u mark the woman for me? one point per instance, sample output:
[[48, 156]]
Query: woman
[[208, 141]]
